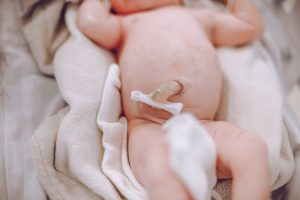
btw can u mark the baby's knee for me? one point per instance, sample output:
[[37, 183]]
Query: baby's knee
[[252, 145], [156, 166], [250, 152], [236, 145]]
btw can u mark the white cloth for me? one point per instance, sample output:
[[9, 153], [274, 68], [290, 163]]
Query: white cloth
[[69, 158], [192, 154], [68, 148], [114, 128]]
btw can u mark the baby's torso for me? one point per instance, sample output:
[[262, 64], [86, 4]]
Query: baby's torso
[[163, 45]]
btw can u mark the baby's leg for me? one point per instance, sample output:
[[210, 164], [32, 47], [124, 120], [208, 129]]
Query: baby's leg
[[242, 156], [149, 162]]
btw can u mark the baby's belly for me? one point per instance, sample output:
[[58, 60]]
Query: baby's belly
[[202, 83]]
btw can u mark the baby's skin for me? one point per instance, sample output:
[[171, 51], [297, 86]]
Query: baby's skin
[[160, 41]]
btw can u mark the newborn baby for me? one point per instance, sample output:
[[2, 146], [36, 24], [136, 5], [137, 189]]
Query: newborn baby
[[168, 51]]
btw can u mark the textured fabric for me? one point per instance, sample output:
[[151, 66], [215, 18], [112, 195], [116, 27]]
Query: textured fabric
[[26, 99], [45, 31], [292, 189], [284, 30], [75, 168]]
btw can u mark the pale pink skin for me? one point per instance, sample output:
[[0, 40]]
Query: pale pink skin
[[157, 41]]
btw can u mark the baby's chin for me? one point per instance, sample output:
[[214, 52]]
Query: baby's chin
[[131, 6]]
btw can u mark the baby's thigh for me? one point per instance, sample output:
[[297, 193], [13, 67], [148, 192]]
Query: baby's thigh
[[147, 149], [237, 149]]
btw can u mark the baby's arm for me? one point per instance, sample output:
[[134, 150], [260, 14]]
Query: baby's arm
[[98, 24], [243, 25]]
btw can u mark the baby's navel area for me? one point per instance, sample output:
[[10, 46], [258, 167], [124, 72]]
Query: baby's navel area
[[153, 56], [200, 90]]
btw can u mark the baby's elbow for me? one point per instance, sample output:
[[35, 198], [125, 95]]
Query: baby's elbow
[[99, 25], [255, 27], [85, 20], [250, 34], [251, 31]]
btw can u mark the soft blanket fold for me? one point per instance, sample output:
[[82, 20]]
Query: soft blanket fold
[[75, 160], [114, 128]]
